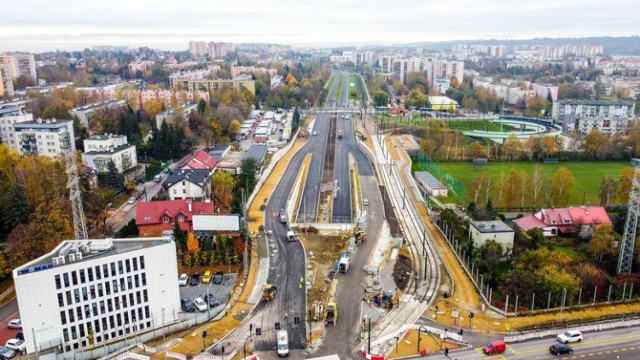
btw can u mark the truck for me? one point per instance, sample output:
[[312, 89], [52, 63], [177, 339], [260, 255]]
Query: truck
[[283, 216], [339, 134], [343, 265], [331, 310], [291, 236], [283, 343]]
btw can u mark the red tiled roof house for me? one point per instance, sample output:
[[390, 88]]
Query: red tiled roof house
[[565, 221], [154, 217]]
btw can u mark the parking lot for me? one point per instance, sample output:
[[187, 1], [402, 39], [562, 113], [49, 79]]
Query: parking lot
[[220, 291]]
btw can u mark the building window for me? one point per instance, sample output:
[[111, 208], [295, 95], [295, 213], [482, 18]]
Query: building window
[[180, 218], [107, 288], [76, 295], [127, 265], [92, 291], [100, 292], [129, 283], [58, 282], [82, 278], [136, 280], [165, 219], [90, 274], [115, 286], [141, 262], [65, 278], [85, 296], [98, 275], [113, 269], [94, 309], [144, 279], [74, 278], [135, 264], [109, 305], [65, 334], [120, 268], [63, 317], [105, 271], [145, 295], [71, 318], [79, 313], [68, 293], [60, 300]]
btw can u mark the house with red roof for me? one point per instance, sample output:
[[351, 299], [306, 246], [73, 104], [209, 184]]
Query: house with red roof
[[580, 220], [154, 217], [200, 160]]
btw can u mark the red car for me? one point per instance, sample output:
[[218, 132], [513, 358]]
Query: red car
[[494, 347]]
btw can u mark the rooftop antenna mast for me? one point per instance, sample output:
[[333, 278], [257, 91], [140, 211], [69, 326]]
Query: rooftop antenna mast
[[627, 245]]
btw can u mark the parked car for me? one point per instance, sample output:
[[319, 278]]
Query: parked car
[[20, 335], [6, 353], [200, 304], [206, 278], [187, 305], [166, 170], [15, 324], [183, 280], [195, 280], [211, 300], [16, 345], [365, 202], [560, 349], [132, 200], [217, 278], [140, 194], [570, 336], [495, 347]]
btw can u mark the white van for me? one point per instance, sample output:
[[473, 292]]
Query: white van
[[283, 343], [157, 178]]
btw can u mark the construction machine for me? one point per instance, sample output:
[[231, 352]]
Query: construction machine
[[269, 292], [331, 310]]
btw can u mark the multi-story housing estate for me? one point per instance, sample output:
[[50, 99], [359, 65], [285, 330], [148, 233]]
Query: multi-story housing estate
[[212, 49], [173, 98], [511, 91], [154, 217], [435, 69], [51, 137], [174, 115], [214, 84], [189, 184], [2, 84], [102, 149], [584, 116], [141, 66], [10, 115], [237, 70], [198, 48], [19, 64], [84, 112], [105, 289], [545, 91]]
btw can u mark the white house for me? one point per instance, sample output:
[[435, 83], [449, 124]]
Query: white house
[[101, 149], [496, 230], [189, 184], [110, 288]]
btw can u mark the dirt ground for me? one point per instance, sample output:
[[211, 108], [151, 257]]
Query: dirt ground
[[326, 252], [408, 345], [403, 268]]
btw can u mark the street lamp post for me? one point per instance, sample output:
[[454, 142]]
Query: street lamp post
[[397, 340], [420, 335]]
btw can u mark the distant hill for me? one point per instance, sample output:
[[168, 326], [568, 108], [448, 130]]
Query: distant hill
[[618, 45]]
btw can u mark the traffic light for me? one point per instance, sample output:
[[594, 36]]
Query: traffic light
[[471, 315], [296, 320], [258, 331], [277, 326]]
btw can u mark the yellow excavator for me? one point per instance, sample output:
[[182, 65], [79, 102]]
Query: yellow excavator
[[331, 310], [269, 292]]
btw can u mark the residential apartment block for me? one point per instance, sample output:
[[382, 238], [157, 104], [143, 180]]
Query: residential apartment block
[[189, 184], [214, 84], [102, 149], [583, 116], [109, 289], [19, 64], [50, 137], [84, 112], [9, 116]]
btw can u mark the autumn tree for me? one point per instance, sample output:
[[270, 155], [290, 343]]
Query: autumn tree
[[549, 146], [537, 182], [601, 242], [561, 185], [624, 185], [153, 107], [596, 145], [234, 128], [192, 243], [608, 190], [222, 184]]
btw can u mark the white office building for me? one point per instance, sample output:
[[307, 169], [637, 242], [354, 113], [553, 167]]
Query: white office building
[[49, 137], [98, 290]]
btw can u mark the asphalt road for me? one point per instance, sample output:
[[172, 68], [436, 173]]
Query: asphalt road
[[615, 344]]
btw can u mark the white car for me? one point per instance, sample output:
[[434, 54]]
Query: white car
[[15, 324], [570, 336], [315, 133], [131, 201], [183, 280], [16, 345], [200, 304]]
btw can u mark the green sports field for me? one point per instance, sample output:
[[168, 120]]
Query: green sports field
[[588, 175]]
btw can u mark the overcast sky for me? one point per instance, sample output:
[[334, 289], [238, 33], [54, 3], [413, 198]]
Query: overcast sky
[[37, 25]]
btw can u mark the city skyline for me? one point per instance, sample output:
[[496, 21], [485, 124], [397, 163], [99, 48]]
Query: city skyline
[[171, 25]]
